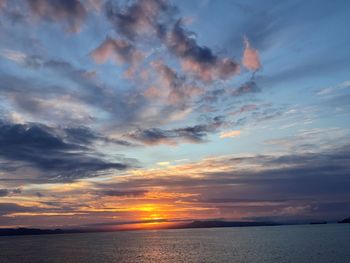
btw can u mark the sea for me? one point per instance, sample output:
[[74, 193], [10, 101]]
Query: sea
[[328, 243]]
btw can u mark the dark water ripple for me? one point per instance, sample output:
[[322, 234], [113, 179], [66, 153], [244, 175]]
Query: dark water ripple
[[309, 243]]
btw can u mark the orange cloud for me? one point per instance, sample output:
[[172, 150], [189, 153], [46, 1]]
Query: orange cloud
[[251, 58], [120, 51], [230, 134]]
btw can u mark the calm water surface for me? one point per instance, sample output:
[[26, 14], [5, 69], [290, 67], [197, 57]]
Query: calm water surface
[[309, 243]]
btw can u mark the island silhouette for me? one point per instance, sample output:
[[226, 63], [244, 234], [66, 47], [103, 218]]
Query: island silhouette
[[194, 224]]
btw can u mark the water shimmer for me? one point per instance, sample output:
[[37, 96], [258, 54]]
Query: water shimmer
[[308, 243]]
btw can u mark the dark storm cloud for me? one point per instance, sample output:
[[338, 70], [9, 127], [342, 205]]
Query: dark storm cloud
[[190, 134], [60, 154], [71, 12]]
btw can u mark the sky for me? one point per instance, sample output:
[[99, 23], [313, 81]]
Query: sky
[[119, 112]]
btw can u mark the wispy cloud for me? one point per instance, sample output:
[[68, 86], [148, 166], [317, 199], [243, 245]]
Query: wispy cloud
[[330, 90], [190, 134]]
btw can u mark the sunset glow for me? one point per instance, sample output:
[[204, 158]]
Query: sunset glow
[[148, 114]]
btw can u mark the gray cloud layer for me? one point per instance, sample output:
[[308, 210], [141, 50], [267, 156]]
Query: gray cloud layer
[[60, 154]]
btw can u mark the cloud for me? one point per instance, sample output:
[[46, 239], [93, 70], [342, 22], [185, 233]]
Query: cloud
[[7, 208], [121, 51], [230, 134], [163, 163], [251, 58], [178, 91], [92, 100], [14, 211], [140, 18], [220, 96], [200, 61], [282, 187], [38, 194], [311, 139], [330, 90], [48, 102], [245, 108], [157, 19], [190, 134], [17, 191], [154, 136], [84, 136], [94, 5], [3, 4], [21, 58], [70, 12], [4, 192], [248, 87], [127, 193], [58, 153], [279, 183]]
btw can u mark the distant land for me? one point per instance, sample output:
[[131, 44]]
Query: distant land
[[194, 224], [33, 231], [218, 223], [344, 221], [318, 222]]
